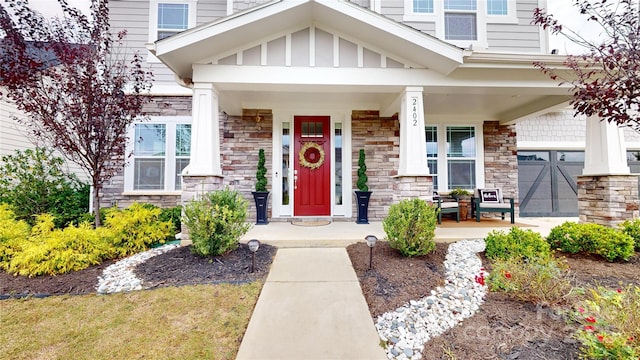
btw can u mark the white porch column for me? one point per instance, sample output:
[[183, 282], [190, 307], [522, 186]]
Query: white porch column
[[413, 153], [605, 153], [205, 132]]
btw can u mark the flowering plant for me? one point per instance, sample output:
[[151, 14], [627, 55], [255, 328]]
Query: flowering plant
[[609, 323]]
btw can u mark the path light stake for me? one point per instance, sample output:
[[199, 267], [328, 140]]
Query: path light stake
[[254, 244], [371, 242]]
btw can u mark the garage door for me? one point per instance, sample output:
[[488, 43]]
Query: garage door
[[547, 182]]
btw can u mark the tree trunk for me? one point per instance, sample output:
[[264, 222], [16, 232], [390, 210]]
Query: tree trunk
[[96, 204]]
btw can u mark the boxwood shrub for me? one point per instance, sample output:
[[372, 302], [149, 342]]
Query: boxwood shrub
[[216, 221], [517, 243], [607, 242], [632, 228], [410, 227]]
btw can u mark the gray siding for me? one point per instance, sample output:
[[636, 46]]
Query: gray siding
[[363, 3], [393, 9], [521, 37], [239, 5], [133, 16]]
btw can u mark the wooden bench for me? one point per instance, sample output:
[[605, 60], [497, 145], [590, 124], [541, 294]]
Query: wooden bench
[[491, 201]]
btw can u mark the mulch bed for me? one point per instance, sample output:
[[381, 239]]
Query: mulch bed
[[173, 268], [503, 328]]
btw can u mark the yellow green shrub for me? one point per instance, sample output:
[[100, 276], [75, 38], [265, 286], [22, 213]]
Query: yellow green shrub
[[136, 227], [12, 233], [52, 251]]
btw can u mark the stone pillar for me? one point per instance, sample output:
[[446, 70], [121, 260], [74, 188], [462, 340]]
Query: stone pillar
[[413, 153], [205, 133], [607, 192], [607, 200]]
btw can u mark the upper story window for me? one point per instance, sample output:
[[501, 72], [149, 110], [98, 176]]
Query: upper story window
[[172, 18], [497, 7], [423, 6], [169, 17], [461, 22]]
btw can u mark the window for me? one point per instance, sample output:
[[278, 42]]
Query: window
[[423, 6], [161, 149], [463, 23], [338, 162], [286, 140], [497, 7], [169, 17], [460, 21], [461, 157], [432, 153], [172, 18]]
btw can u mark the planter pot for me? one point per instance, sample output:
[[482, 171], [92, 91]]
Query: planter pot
[[261, 198], [362, 198], [463, 203]]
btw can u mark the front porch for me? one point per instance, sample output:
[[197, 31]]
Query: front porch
[[339, 234]]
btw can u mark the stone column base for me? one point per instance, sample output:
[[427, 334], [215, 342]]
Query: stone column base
[[193, 186], [608, 199], [410, 187]]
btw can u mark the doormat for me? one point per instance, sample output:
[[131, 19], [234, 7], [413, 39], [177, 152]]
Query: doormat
[[310, 223], [484, 223]]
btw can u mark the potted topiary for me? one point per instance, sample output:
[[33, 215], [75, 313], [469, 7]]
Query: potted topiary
[[464, 200], [261, 195], [362, 194]]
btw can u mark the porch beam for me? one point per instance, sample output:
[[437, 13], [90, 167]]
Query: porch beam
[[539, 107], [413, 155]]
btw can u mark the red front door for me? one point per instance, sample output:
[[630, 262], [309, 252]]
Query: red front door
[[312, 170]]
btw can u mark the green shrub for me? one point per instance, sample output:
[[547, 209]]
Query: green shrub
[[172, 215], [216, 222], [410, 227], [51, 251], [632, 228], [541, 281], [517, 243], [12, 233], [34, 182], [609, 243], [610, 323], [136, 228]]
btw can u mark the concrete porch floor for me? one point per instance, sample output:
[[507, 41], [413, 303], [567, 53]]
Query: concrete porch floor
[[340, 234]]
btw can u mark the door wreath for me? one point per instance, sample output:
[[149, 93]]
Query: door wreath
[[311, 155]]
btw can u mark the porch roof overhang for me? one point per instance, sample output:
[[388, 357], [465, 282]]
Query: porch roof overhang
[[192, 46], [458, 84]]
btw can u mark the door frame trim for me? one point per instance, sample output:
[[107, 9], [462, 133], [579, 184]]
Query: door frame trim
[[336, 115]]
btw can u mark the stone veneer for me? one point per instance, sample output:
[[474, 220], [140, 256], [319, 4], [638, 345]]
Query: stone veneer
[[607, 200], [380, 137], [501, 159]]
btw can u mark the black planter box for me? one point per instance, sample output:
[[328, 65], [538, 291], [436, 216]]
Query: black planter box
[[261, 198], [362, 198]]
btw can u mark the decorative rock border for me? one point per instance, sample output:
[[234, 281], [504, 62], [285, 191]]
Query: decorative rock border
[[119, 277], [409, 327]]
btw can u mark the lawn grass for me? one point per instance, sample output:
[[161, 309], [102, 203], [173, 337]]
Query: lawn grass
[[190, 322]]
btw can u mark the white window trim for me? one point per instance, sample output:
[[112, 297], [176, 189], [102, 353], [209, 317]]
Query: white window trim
[[482, 19], [153, 20], [170, 157], [443, 175]]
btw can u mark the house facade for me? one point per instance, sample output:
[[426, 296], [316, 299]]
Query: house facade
[[433, 91]]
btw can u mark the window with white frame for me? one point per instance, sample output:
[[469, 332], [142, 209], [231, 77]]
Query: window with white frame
[[423, 6], [169, 17], [160, 151], [453, 154], [461, 22]]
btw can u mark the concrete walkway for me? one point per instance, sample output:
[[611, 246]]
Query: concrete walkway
[[311, 307]]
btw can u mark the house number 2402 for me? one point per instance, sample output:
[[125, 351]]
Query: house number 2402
[[414, 110]]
